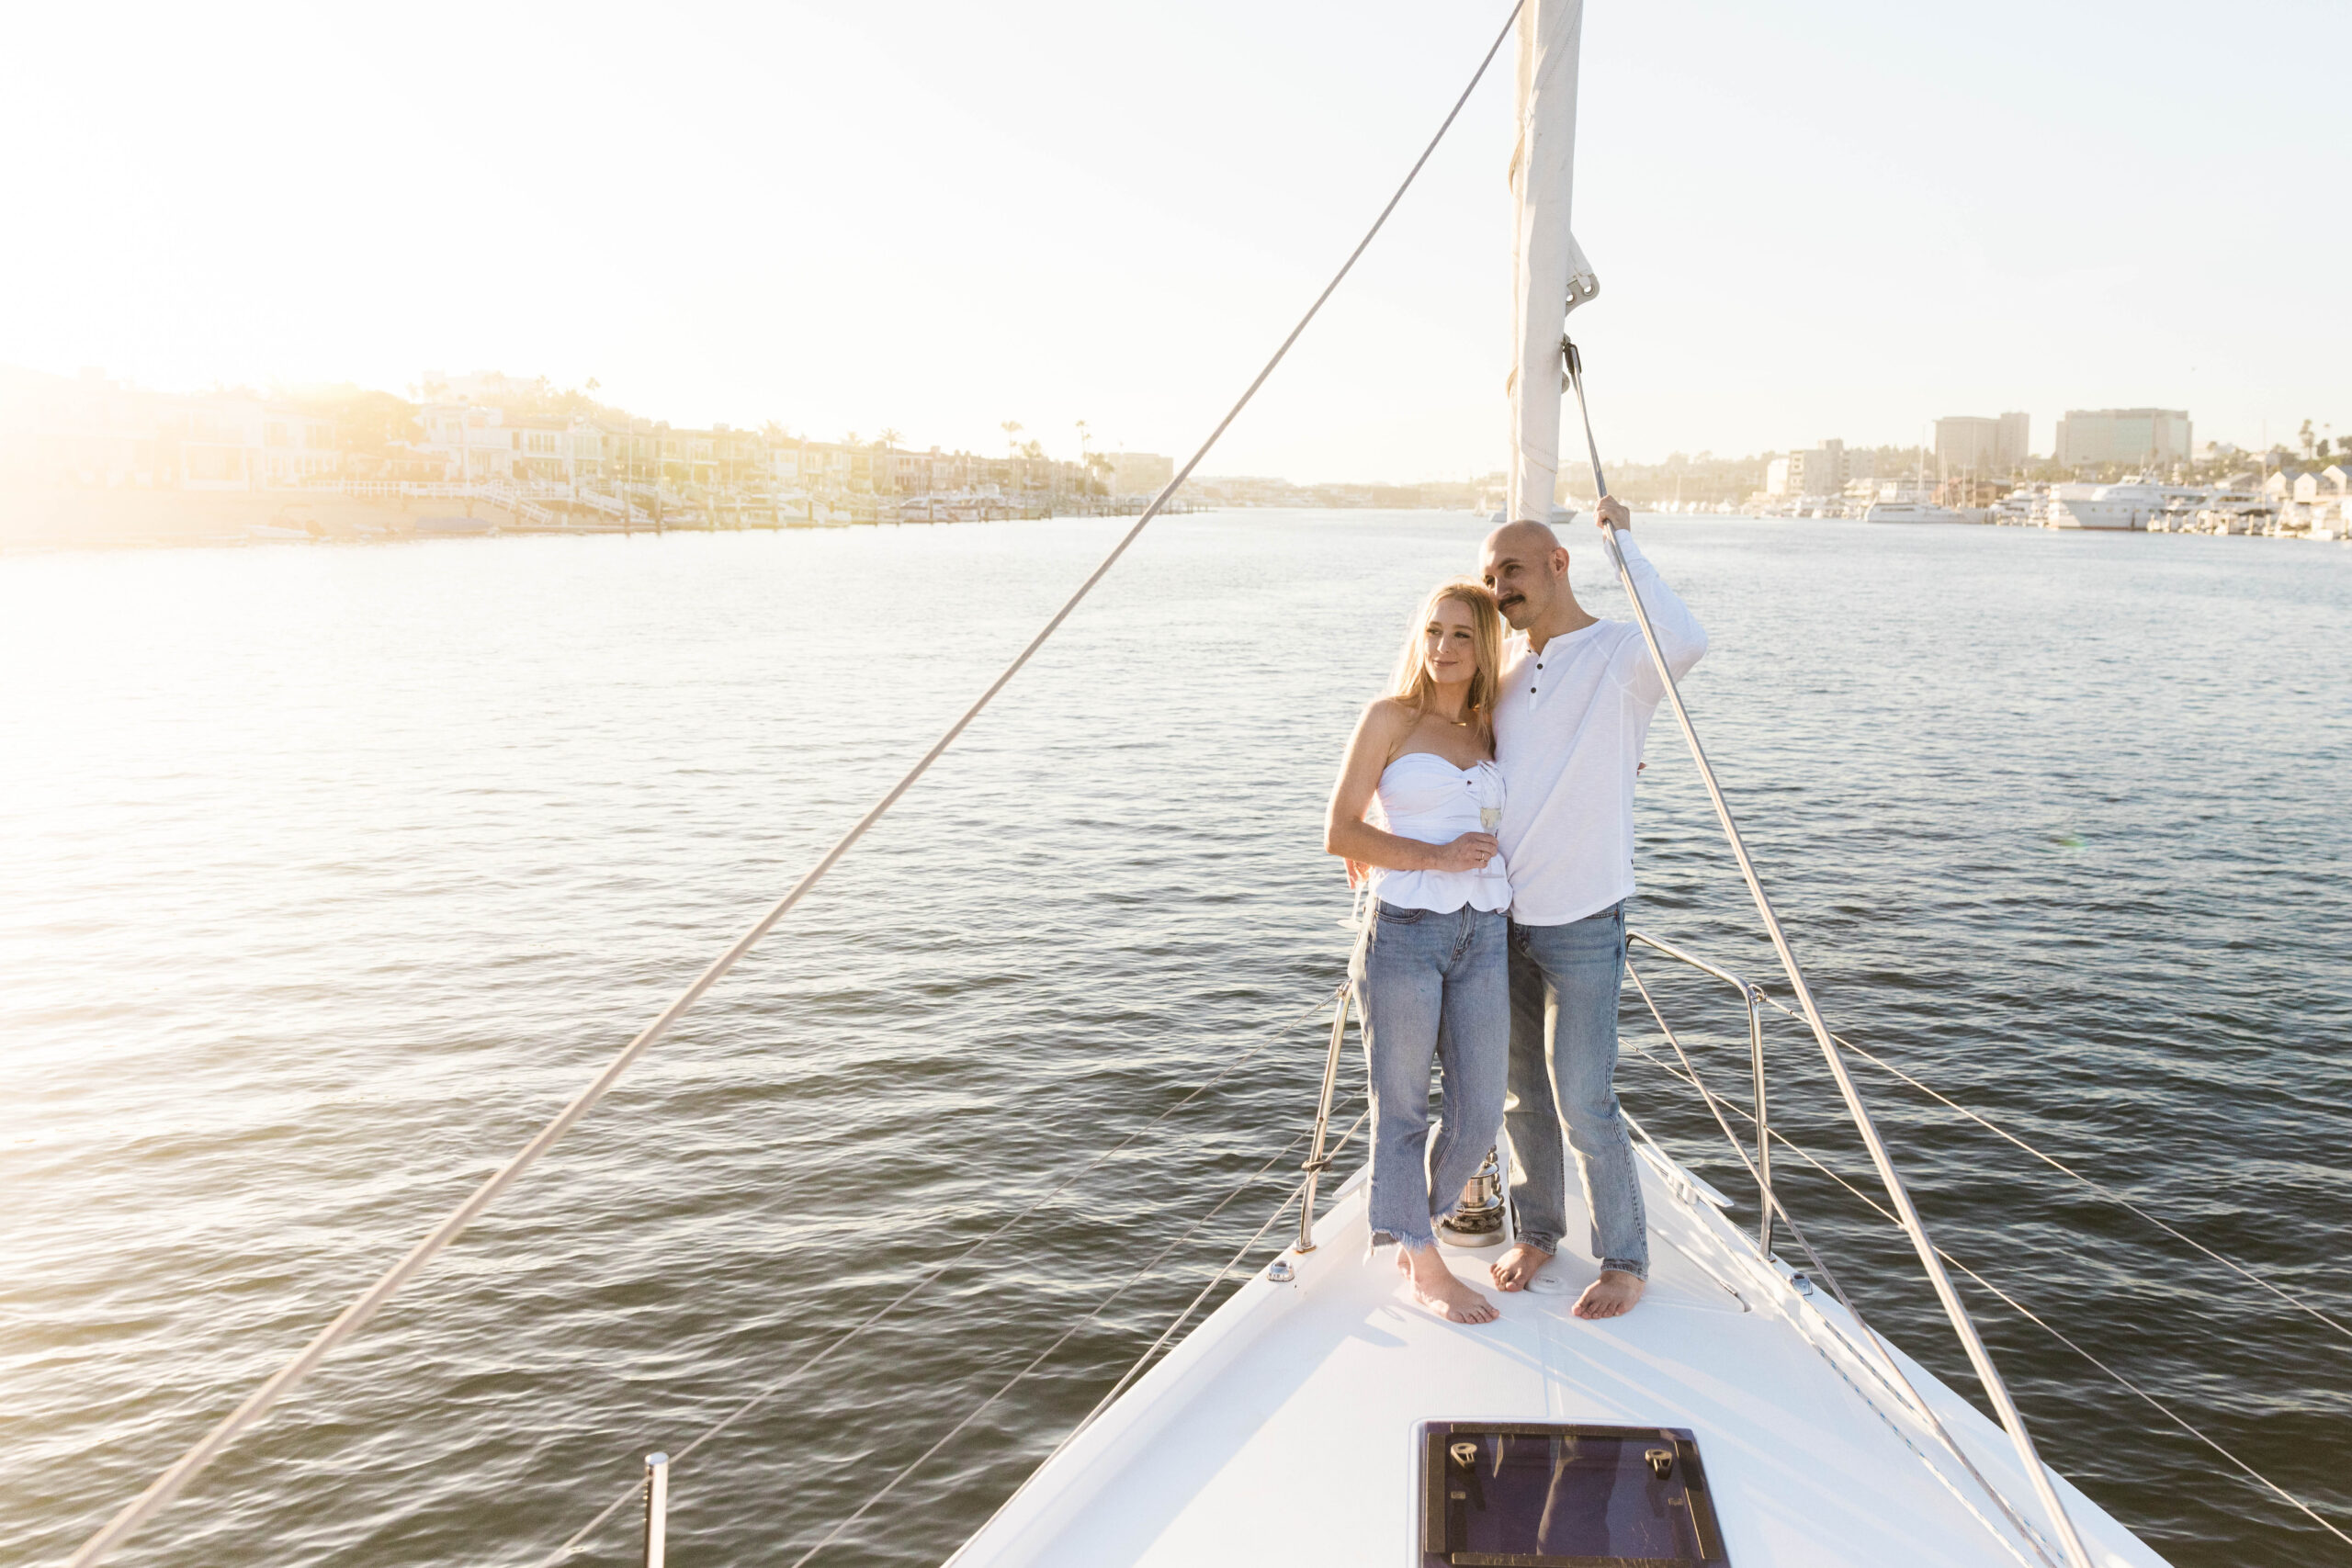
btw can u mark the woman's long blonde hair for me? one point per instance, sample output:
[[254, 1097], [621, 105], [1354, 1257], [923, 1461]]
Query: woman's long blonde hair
[[1411, 682]]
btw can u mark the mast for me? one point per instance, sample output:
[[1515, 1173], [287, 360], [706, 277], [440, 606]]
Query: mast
[[1549, 273]]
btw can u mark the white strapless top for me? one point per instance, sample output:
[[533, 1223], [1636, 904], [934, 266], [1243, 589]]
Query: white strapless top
[[1424, 796]]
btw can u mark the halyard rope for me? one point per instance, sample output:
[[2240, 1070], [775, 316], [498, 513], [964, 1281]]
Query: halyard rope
[[353, 1318]]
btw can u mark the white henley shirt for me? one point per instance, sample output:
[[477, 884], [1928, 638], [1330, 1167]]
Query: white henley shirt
[[1568, 734]]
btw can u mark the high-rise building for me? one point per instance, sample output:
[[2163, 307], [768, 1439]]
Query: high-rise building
[[1986, 448], [2012, 447], [1967, 445], [2156, 437], [1819, 470]]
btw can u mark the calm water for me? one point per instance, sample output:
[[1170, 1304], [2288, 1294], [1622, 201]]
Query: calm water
[[330, 872]]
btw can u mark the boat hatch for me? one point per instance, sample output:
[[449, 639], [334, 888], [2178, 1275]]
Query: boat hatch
[[1513, 1495]]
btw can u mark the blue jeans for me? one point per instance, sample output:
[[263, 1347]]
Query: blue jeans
[[1431, 985], [1564, 984]]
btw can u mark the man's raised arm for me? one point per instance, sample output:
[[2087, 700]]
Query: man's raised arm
[[1679, 636]]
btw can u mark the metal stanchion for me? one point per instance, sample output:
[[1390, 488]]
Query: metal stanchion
[[1316, 1161], [657, 1508]]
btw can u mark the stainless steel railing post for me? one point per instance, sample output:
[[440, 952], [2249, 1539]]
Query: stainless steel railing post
[[657, 1508], [1763, 1143], [1753, 995], [1316, 1161]]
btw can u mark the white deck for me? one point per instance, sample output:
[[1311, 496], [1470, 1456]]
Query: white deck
[[1287, 1422]]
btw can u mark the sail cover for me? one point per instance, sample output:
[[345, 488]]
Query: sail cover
[[1549, 273]]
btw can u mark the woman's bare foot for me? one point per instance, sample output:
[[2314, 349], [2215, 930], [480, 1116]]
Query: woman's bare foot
[[1517, 1268], [1612, 1296], [1435, 1287]]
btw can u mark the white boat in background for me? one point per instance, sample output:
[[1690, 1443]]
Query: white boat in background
[[456, 525], [2024, 507], [1915, 511], [2130, 505]]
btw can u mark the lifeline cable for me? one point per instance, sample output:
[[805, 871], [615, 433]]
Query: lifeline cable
[[2104, 1190], [1064, 1337], [843, 1340], [1907, 1392], [2011, 1301], [353, 1318]]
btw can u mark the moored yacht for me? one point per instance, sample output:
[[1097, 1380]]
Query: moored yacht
[[2131, 505], [2027, 506]]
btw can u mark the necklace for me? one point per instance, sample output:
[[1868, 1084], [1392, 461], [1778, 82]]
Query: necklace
[[1457, 723]]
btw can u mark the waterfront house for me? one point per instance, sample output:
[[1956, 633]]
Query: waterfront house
[[473, 442]]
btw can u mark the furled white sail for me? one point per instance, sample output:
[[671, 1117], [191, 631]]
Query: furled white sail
[[1550, 275]]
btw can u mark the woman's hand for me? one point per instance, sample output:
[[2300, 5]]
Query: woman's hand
[[1467, 853]]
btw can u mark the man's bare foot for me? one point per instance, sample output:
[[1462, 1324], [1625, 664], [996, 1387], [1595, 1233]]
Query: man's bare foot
[[1612, 1296], [1517, 1268], [1435, 1287]]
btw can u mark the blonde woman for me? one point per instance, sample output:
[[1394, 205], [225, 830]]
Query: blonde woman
[[1430, 969]]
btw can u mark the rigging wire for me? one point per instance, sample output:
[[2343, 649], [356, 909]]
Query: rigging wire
[[1807, 1155], [1185, 1317], [1072, 1434], [632, 1492], [2100, 1187], [1910, 1393], [1988, 1376], [353, 1318]]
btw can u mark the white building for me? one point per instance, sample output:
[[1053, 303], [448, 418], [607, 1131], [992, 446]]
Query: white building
[[1140, 473], [483, 444], [1980, 446], [1824, 469]]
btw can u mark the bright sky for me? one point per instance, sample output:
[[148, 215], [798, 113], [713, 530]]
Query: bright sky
[[1814, 218]]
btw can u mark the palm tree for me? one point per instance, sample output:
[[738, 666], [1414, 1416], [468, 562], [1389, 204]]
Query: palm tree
[[889, 438], [1012, 428]]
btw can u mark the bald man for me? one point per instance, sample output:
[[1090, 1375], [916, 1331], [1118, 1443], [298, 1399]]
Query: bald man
[[1577, 694]]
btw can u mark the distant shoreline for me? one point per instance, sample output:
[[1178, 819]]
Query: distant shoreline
[[127, 518]]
